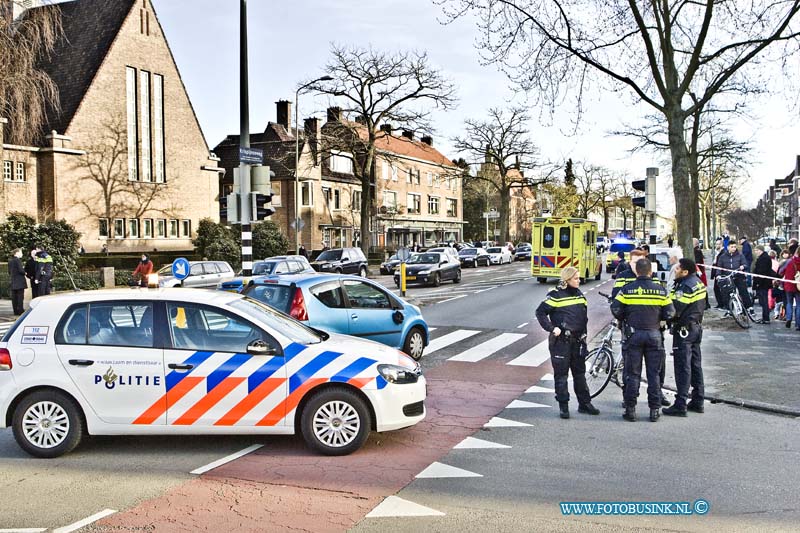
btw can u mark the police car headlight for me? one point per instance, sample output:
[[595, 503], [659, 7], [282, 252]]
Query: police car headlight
[[424, 272], [397, 374]]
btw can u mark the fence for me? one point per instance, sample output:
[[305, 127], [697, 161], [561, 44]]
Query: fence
[[84, 280]]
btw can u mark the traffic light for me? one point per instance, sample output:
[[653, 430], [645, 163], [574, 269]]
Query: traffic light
[[261, 208], [640, 185], [229, 208]]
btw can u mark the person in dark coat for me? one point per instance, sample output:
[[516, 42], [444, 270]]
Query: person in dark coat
[[18, 281], [670, 242], [44, 272], [761, 285], [302, 251], [30, 272], [773, 245]]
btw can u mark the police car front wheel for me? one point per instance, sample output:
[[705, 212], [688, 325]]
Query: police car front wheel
[[335, 421], [48, 424]]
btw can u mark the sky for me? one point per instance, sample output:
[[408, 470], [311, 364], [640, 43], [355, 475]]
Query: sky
[[289, 41]]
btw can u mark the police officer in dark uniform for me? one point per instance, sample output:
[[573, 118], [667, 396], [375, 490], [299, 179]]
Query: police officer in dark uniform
[[563, 314], [689, 298], [629, 276], [642, 305]]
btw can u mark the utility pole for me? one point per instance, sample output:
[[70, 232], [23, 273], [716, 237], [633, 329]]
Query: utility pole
[[244, 142]]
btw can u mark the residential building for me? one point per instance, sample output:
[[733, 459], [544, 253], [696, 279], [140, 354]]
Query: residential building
[[416, 196], [123, 159], [782, 196]]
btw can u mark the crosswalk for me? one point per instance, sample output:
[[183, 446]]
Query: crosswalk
[[474, 346]]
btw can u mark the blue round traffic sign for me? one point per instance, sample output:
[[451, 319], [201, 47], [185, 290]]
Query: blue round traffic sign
[[180, 268]]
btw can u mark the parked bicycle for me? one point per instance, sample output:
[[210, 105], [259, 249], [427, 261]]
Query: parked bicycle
[[602, 365], [735, 305]]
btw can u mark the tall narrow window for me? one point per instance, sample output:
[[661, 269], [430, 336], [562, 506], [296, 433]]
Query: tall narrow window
[[158, 127], [8, 172], [103, 228], [161, 228], [133, 153], [20, 171], [148, 228], [144, 102]]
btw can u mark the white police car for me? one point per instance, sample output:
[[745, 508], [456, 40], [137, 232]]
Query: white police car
[[170, 361]]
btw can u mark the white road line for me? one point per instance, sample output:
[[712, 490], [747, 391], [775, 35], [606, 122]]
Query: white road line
[[85, 521], [450, 338], [533, 357], [24, 530], [471, 443], [441, 470], [451, 299], [523, 325], [226, 459], [484, 350], [432, 329], [395, 506]]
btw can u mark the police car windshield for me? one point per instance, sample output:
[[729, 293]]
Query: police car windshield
[[468, 251], [287, 326], [494, 250]]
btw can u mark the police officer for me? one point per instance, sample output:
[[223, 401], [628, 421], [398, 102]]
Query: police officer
[[642, 305], [563, 314], [629, 276], [689, 299]]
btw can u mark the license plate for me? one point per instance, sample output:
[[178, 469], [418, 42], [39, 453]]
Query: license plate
[[410, 277]]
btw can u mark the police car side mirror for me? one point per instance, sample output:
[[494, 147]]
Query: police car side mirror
[[259, 347]]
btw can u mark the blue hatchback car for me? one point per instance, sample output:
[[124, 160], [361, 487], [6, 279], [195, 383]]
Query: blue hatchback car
[[345, 304]]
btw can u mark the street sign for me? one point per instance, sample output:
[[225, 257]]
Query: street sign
[[251, 156], [491, 215], [180, 268], [403, 254], [301, 222]]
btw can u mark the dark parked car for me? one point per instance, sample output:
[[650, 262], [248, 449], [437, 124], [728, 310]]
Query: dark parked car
[[341, 261], [431, 269], [387, 267], [473, 257], [523, 253]]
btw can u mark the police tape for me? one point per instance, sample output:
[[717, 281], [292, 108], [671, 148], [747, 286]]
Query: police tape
[[742, 272]]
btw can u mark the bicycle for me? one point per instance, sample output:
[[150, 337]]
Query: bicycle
[[735, 305], [601, 364]]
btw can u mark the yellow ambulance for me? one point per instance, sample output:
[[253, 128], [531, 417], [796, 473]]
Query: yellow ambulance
[[558, 242]]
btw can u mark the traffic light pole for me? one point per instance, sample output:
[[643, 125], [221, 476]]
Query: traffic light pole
[[244, 142]]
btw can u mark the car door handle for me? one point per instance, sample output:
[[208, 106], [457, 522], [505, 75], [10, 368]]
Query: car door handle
[[354, 316], [173, 366], [81, 362]]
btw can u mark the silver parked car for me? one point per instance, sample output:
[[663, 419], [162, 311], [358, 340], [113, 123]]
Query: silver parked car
[[202, 274]]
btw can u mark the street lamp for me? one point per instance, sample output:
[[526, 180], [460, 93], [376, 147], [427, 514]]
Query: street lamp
[[297, 160]]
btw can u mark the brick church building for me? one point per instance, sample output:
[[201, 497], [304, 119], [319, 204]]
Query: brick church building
[[124, 159]]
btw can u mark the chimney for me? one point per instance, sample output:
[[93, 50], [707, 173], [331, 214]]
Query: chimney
[[386, 128], [427, 139], [284, 114], [797, 166], [15, 8], [313, 133], [334, 114], [408, 134]]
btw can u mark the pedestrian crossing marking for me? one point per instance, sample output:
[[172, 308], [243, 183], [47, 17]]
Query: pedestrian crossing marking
[[441, 470], [549, 377], [537, 388], [471, 443], [394, 506], [521, 404], [450, 338], [497, 422], [533, 357], [484, 350]]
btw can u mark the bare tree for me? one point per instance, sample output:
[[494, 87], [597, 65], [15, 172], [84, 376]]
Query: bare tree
[[375, 88], [503, 146], [586, 189], [673, 56], [105, 189], [752, 222], [25, 89]]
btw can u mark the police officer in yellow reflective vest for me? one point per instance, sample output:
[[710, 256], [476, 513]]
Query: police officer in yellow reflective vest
[[563, 314], [689, 298], [642, 305]]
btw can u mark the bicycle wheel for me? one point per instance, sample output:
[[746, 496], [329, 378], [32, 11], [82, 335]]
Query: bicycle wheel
[[739, 314], [598, 370]]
